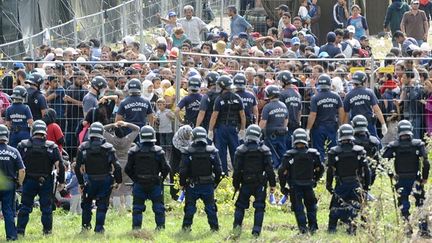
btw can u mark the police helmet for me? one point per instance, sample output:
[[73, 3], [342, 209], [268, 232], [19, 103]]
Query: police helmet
[[225, 82], [324, 81], [299, 136], [212, 78], [360, 123], [19, 94], [345, 132], [99, 83], [39, 127], [239, 81], [96, 130], [35, 79], [147, 134], [405, 128], [286, 77], [359, 77], [4, 133], [134, 86], [194, 84], [272, 91], [199, 134], [253, 133]]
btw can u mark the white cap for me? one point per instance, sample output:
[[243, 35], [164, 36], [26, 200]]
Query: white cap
[[58, 52], [128, 39], [72, 50], [351, 29], [425, 47]]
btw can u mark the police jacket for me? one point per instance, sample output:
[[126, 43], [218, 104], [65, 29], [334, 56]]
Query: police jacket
[[146, 164], [253, 165], [97, 157]]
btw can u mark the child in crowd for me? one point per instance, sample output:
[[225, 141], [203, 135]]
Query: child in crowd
[[73, 188], [164, 121]]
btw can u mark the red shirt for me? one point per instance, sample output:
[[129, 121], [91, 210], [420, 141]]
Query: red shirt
[[54, 133]]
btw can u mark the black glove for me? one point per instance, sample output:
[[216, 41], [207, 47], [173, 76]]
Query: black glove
[[329, 188], [285, 190]]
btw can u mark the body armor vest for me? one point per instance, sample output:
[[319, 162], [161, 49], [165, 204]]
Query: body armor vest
[[229, 113], [302, 168], [201, 169], [146, 167], [37, 160], [96, 160], [253, 167], [347, 164], [406, 159]]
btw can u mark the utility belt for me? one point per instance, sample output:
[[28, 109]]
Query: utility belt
[[305, 182], [98, 177], [200, 180], [272, 134], [326, 123], [19, 129], [348, 179], [406, 175], [148, 179], [253, 179], [41, 178], [230, 123]]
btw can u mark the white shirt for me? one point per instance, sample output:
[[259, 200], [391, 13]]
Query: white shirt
[[193, 28]]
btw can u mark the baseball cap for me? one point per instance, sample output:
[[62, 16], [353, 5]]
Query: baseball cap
[[58, 52], [172, 14], [363, 37], [351, 29], [282, 7], [295, 41], [243, 35]]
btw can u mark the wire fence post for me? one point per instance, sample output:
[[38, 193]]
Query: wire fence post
[[30, 46], [48, 36], [181, 5], [124, 20], [372, 82], [221, 13], [177, 84], [75, 26], [199, 9], [140, 22], [103, 28]]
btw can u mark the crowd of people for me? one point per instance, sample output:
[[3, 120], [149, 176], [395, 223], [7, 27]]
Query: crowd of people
[[237, 88]]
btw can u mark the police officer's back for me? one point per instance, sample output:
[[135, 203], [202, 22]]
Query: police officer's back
[[18, 116], [36, 100], [207, 101], [248, 98], [191, 102]]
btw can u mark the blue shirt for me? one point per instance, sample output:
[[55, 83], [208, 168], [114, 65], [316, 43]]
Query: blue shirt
[[292, 99], [275, 113], [134, 109], [37, 102], [18, 114], [238, 25], [326, 105], [10, 161], [90, 100], [207, 104], [359, 101], [57, 102], [192, 104], [360, 26], [249, 102], [331, 49]]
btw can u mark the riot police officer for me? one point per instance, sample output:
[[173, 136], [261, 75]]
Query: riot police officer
[[301, 169], [40, 156], [135, 109], [36, 100], [207, 101], [293, 101], [361, 100], [252, 170], [274, 122], [96, 159], [347, 162], [18, 117], [249, 99], [370, 143], [229, 119], [406, 152], [322, 122], [147, 168], [11, 164], [200, 171], [191, 102]]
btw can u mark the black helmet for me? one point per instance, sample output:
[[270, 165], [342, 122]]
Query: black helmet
[[299, 136], [147, 134], [225, 82], [35, 79], [199, 134], [134, 86], [239, 81], [360, 123], [39, 127], [405, 128], [272, 91], [253, 133], [99, 83], [345, 132], [96, 130], [286, 77], [19, 94], [194, 84], [4, 133], [359, 77], [324, 81], [212, 78]]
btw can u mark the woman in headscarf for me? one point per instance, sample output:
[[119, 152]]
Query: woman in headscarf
[[181, 140], [148, 93]]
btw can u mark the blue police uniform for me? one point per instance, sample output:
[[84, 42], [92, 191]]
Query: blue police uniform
[[293, 101], [37, 102], [191, 103], [252, 170], [326, 104], [18, 114], [134, 109], [227, 125], [200, 170], [98, 158], [275, 113], [10, 163], [39, 156], [249, 102], [360, 101], [207, 104], [147, 168]]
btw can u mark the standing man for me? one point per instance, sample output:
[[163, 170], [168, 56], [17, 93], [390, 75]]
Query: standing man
[[415, 23], [252, 171], [97, 88], [40, 158], [191, 103], [301, 169], [238, 23], [207, 101], [248, 98], [340, 14], [193, 26], [274, 121], [36, 100], [393, 17], [409, 172], [229, 119], [147, 167], [347, 162], [96, 161], [281, 9], [322, 121], [200, 171], [12, 167]]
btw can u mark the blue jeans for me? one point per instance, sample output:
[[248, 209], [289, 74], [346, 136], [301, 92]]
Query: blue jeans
[[277, 145], [99, 190], [32, 187], [7, 199], [345, 203], [242, 203], [226, 136], [205, 192], [322, 133], [140, 195], [16, 137], [301, 197]]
